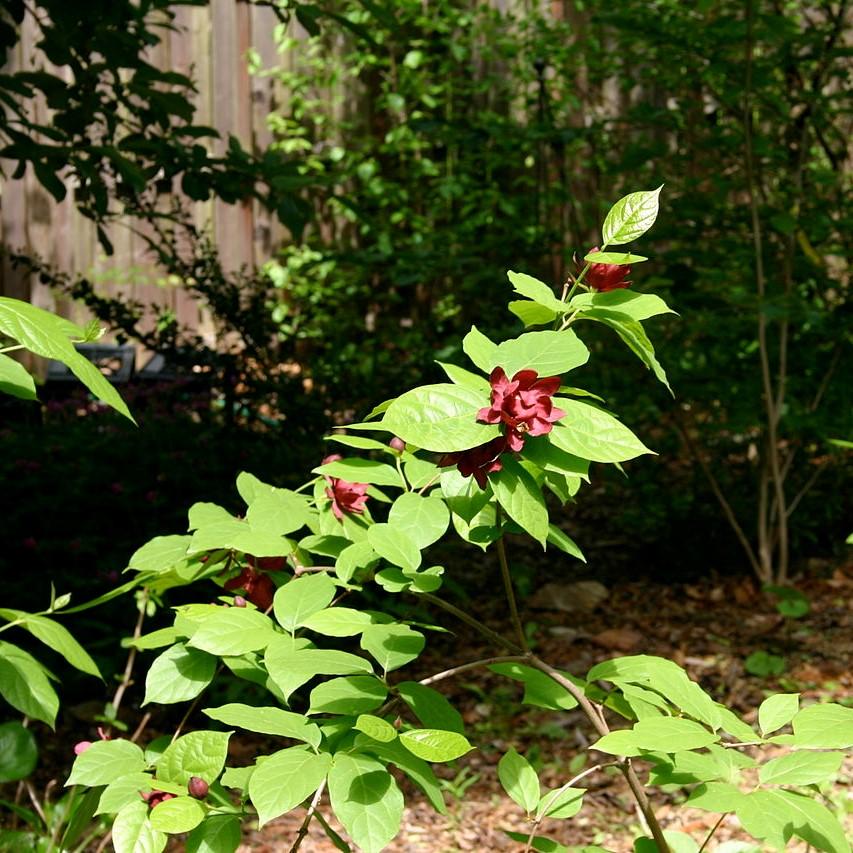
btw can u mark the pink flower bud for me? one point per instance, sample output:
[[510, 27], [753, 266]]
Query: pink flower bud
[[239, 601], [197, 787], [397, 444], [81, 747]]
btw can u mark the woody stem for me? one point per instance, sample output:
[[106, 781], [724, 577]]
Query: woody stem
[[508, 588]]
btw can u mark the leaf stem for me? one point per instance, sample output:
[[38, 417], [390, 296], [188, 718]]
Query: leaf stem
[[303, 829], [474, 664], [710, 835], [508, 588]]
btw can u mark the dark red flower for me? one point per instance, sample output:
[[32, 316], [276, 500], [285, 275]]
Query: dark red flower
[[268, 564], [258, 587], [154, 798], [345, 496], [478, 462], [604, 277], [523, 403]]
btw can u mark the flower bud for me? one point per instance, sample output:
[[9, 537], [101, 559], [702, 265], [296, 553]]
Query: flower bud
[[81, 747], [397, 444], [239, 601], [197, 787]]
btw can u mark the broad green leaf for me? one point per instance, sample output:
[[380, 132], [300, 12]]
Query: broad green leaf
[[561, 803], [24, 684], [593, 434], [716, 797], [441, 418], [355, 694], [124, 790], [801, 768], [338, 622], [630, 217], [160, 554], [519, 780], [366, 800], [671, 734], [359, 555], [14, 379], [178, 674], [540, 843], [565, 543], [237, 777], [422, 519], [549, 353], [217, 834], [56, 637], [180, 814], [777, 711], [278, 511], [638, 306], [268, 721], [614, 258], [18, 752], [47, 335], [132, 832], [234, 631], [435, 744], [420, 473], [290, 668], [361, 471], [283, 780], [521, 499], [828, 726], [376, 728], [326, 545], [678, 842], [734, 725], [394, 544], [539, 689], [206, 514], [105, 761], [536, 290], [531, 313], [200, 753], [621, 742], [479, 349], [155, 640], [302, 597], [392, 645], [547, 456], [430, 707]]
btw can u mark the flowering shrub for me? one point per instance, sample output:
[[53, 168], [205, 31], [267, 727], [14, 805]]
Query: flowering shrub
[[476, 454]]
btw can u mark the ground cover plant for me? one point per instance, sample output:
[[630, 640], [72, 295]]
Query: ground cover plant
[[301, 648]]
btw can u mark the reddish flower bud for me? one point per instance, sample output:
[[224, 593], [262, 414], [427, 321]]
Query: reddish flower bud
[[397, 444], [81, 747], [154, 798], [197, 787], [239, 601], [604, 277]]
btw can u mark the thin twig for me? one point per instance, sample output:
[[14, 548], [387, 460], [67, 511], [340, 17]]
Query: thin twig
[[496, 638], [303, 829], [508, 589], [710, 835], [127, 676], [466, 667]]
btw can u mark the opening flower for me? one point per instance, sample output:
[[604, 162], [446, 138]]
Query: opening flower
[[258, 587], [523, 403], [345, 496], [154, 798], [478, 462], [604, 277]]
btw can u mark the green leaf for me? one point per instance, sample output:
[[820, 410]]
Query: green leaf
[[558, 538], [549, 353], [678, 842], [422, 519], [290, 668], [366, 800], [441, 418], [25, 686], [638, 306], [359, 555], [826, 726], [56, 637], [614, 258], [671, 734], [621, 742], [105, 761], [124, 790], [479, 349], [356, 694], [430, 707], [539, 689], [561, 803], [178, 674], [519, 780], [395, 545], [376, 728], [521, 498], [734, 725], [14, 379], [536, 290], [155, 640], [160, 554], [801, 768], [338, 622], [302, 597], [180, 814], [132, 832], [392, 645], [277, 512], [435, 744], [361, 471], [630, 217], [200, 753], [18, 752], [593, 434], [531, 313], [777, 711], [268, 721], [217, 834], [716, 797], [47, 335], [547, 456], [540, 844], [283, 780], [234, 631]]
